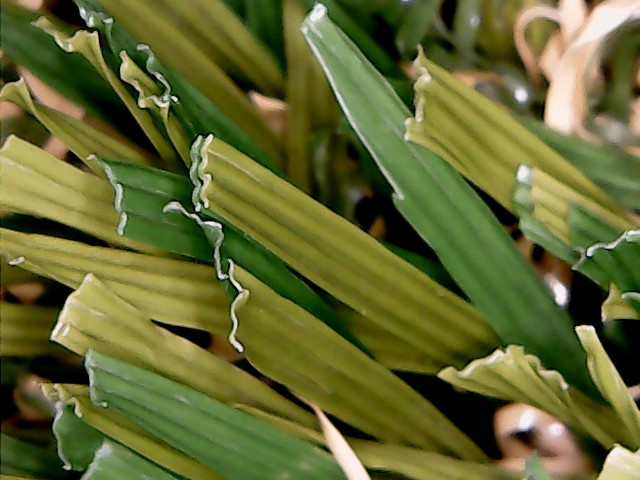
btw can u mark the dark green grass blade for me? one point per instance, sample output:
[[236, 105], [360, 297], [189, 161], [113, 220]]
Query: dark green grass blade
[[444, 210], [231, 442]]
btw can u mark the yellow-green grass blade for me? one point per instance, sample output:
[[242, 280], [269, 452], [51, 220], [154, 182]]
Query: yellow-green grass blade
[[621, 464], [513, 375], [71, 76], [168, 290], [155, 207], [615, 171], [74, 400], [551, 202], [81, 138], [200, 116], [175, 47], [212, 28], [158, 103], [615, 307], [233, 443], [610, 383], [310, 103], [95, 318], [12, 275], [338, 378], [446, 212], [299, 91], [37, 183], [88, 45], [195, 112], [483, 141], [394, 296], [25, 330], [600, 242]]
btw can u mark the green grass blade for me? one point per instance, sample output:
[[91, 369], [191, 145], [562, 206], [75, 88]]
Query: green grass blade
[[373, 51], [143, 194], [434, 324], [608, 255], [76, 441], [416, 24], [164, 289], [469, 241], [125, 432], [21, 457], [114, 461], [233, 443], [535, 470], [264, 21], [412, 463]]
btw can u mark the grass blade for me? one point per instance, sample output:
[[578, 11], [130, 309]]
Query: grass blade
[[233, 443], [112, 460], [95, 318], [88, 45], [25, 330], [434, 325], [154, 24], [346, 383], [445, 211], [74, 400], [611, 168], [24, 458], [77, 135], [621, 464], [513, 375], [197, 114], [35, 182], [151, 204], [164, 289], [70, 75]]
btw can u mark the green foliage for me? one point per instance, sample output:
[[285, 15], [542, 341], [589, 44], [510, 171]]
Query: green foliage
[[204, 222]]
